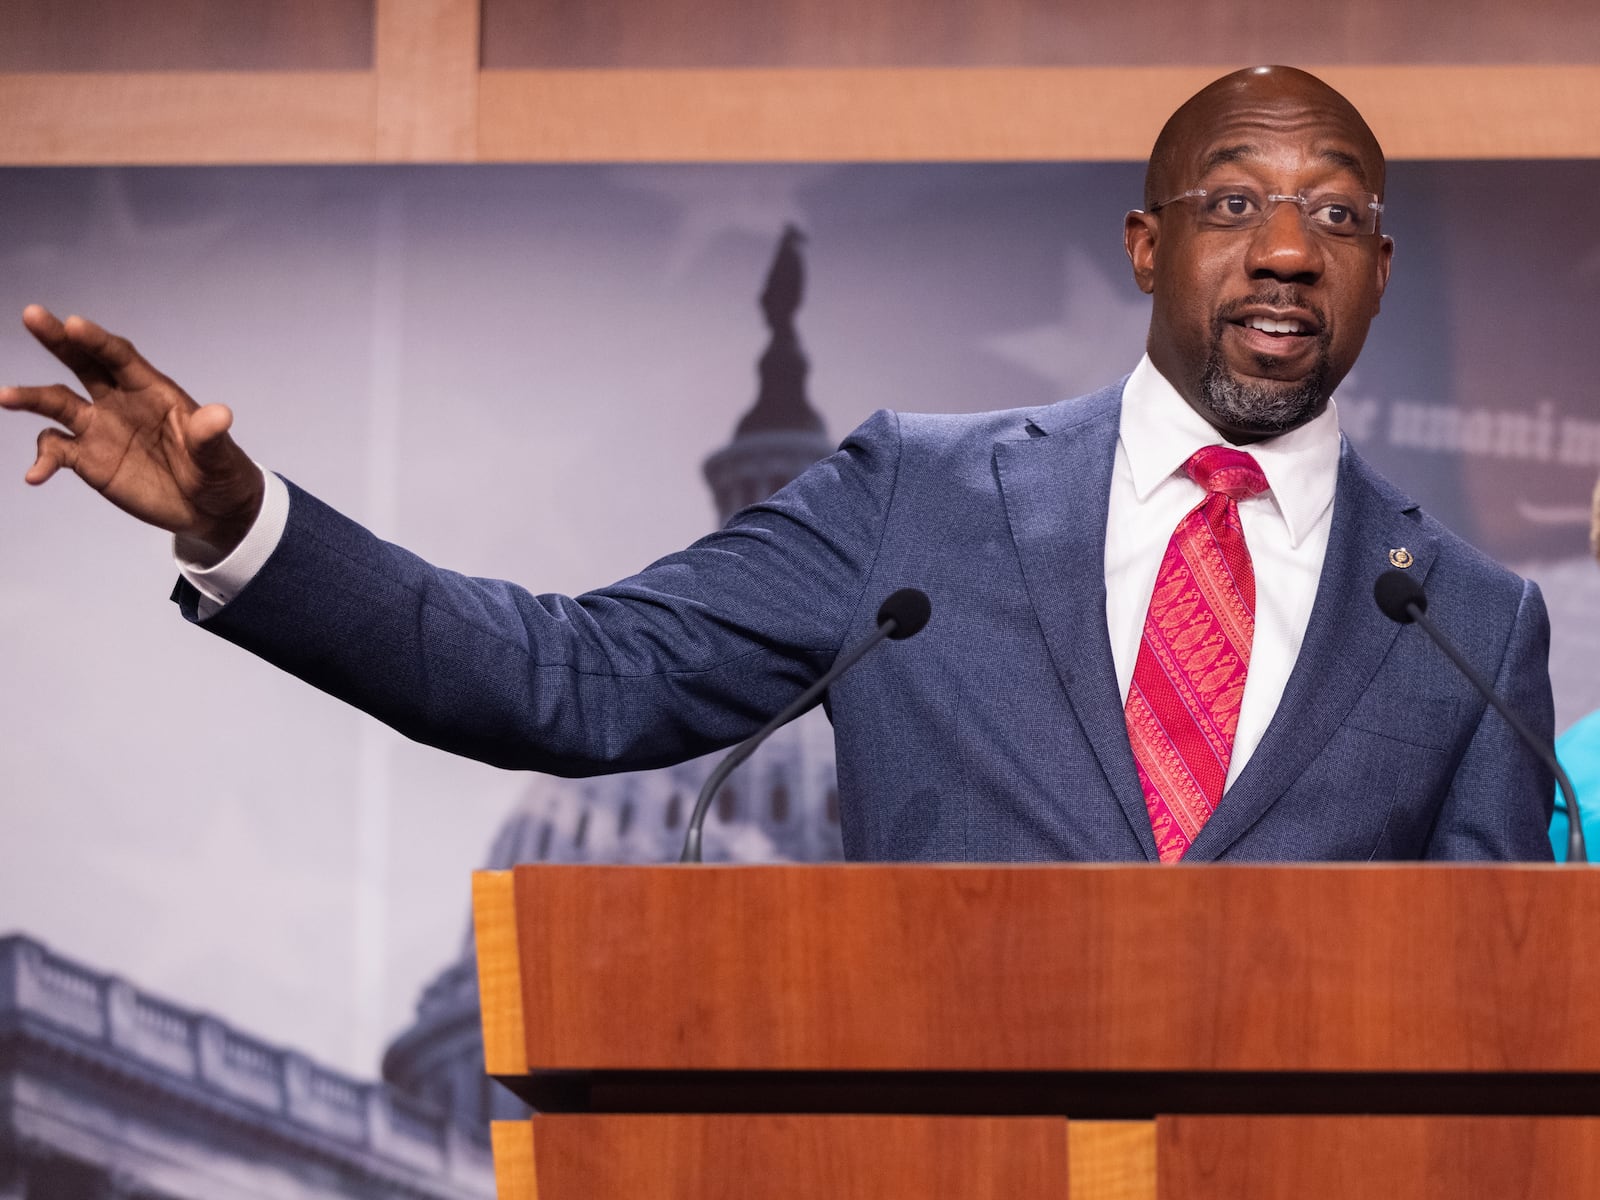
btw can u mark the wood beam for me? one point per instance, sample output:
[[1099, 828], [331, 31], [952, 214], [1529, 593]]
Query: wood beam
[[426, 60], [1079, 114], [179, 117], [427, 101]]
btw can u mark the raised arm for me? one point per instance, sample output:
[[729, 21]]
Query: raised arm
[[138, 439]]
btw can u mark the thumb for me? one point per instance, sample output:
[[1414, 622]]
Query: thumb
[[206, 438], [226, 495]]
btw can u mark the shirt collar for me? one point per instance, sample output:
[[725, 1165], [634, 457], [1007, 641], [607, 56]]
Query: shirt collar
[[1159, 431]]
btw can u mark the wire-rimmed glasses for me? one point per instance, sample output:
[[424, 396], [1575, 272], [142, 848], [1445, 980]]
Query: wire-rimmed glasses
[[1241, 206]]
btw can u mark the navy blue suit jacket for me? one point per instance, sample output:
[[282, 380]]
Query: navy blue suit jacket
[[995, 734]]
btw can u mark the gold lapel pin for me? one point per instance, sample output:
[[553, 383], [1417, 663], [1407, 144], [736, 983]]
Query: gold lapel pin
[[1400, 557]]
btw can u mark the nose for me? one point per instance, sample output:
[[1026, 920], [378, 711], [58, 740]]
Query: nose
[[1284, 248]]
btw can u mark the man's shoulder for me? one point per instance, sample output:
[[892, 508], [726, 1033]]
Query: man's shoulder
[[1087, 413]]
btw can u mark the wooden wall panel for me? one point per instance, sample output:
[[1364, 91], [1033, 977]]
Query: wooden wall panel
[[754, 116], [177, 117], [1013, 33], [1513, 86], [427, 67], [868, 115], [1087, 114], [185, 35], [1477, 112]]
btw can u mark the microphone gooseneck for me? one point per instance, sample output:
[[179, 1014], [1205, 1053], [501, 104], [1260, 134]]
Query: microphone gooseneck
[[900, 616], [1401, 598]]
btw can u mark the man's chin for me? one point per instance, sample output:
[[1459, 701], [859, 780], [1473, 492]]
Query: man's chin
[[1262, 406]]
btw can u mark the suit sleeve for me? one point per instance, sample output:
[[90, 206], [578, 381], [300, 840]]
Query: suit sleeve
[[694, 652], [1499, 803]]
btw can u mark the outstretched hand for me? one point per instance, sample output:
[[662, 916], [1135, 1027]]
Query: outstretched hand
[[138, 440]]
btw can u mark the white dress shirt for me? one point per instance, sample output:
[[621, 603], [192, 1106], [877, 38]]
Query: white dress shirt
[[1286, 529], [219, 582]]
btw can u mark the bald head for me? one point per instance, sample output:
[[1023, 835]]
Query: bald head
[[1285, 94], [1260, 305]]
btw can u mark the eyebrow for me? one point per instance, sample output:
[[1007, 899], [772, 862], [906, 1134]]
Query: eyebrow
[[1224, 155]]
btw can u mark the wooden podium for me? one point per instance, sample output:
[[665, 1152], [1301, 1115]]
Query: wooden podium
[[1081, 1032]]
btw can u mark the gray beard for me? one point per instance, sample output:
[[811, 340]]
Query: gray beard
[[1261, 406]]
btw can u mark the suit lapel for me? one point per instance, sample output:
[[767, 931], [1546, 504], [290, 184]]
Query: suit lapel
[[1345, 643], [1055, 485]]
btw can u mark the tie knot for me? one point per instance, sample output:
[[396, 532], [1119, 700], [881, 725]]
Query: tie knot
[[1224, 469]]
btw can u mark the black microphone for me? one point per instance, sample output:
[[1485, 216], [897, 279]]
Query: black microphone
[[1402, 599], [904, 613]]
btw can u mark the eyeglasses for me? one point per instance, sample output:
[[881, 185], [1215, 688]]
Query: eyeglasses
[[1240, 206]]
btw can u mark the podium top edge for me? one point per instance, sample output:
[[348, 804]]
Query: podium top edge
[[1504, 868]]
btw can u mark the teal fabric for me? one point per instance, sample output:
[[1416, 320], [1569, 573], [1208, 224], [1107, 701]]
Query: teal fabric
[[1579, 751]]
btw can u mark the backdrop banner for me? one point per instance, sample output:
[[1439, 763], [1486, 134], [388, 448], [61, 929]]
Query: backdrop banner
[[519, 372]]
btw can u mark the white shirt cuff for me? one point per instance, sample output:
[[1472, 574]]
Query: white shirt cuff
[[220, 582]]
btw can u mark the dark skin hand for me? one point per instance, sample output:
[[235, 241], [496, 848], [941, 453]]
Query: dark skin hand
[[139, 439]]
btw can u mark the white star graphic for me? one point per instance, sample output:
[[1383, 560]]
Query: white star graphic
[[1097, 337]]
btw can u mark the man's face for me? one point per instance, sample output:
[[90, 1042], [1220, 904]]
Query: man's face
[[1255, 327]]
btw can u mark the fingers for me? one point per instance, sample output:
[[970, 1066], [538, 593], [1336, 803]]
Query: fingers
[[57, 402], [51, 333], [100, 359], [56, 450], [110, 354]]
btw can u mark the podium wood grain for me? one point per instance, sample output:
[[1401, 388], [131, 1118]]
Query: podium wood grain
[[779, 1000], [1358, 1158], [1124, 968], [494, 929], [752, 1157]]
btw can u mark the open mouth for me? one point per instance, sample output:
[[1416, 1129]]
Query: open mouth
[[1275, 338], [1276, 328]]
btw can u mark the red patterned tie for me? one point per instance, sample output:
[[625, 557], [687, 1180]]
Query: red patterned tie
[[1183, 707]]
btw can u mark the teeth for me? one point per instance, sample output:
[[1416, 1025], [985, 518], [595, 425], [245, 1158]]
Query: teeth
[[1268, 325]]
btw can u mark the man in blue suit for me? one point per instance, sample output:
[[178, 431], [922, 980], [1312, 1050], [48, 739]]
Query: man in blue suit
[[1042, 536]]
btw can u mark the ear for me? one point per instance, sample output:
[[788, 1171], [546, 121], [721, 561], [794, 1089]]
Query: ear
[[1139, 232], [1385, 258]]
